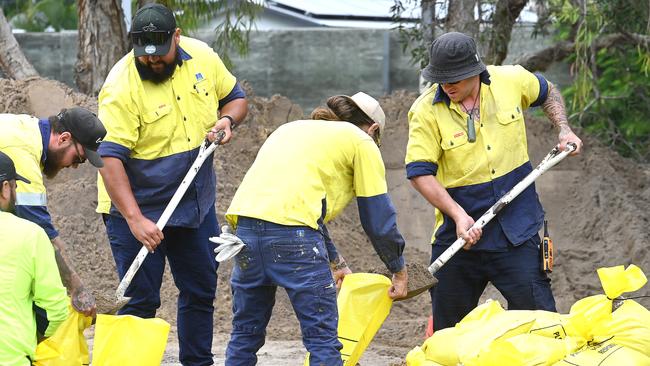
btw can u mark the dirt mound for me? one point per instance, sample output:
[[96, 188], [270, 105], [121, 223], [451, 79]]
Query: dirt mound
[[597, 205]]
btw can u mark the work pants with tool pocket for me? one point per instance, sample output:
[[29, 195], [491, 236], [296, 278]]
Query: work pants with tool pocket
[[293, 257], [192, 264], [515, 273]]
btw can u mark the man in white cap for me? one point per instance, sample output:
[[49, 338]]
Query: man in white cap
[[280, 211]]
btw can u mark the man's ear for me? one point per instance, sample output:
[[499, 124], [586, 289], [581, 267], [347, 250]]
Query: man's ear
[[373, 129], [5, 190], [64, 138]]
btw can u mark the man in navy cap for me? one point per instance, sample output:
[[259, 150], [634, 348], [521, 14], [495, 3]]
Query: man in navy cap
[[43, 147], [466, 149], [159, 103]]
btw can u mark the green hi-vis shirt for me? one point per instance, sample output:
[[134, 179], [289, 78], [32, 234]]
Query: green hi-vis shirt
[[28, 275], [307, 168]]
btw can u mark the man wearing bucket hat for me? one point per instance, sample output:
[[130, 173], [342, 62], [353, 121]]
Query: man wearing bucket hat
[[466, 149], [159, 103], [44, 147], [280, 211], [29, 276]]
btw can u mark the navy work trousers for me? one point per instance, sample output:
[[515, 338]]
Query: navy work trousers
[[515, 273], [292, 257], [192, 264]]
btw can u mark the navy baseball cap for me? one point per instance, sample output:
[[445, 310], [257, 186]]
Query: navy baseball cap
[[152, 30], [8, 170]]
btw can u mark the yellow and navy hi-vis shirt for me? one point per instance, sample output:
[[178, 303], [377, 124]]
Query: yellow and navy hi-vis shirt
[[476, 174], [308, 171], [156, 130], [25, 139]]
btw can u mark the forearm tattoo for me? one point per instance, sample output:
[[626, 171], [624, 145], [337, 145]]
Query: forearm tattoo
[[338, 264], [554, 108]]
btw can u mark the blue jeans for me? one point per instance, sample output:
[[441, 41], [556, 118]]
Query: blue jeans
[[515, 273], [292, 257], [191, 260]]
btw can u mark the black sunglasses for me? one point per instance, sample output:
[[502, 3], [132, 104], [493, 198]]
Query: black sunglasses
[[157, 38]]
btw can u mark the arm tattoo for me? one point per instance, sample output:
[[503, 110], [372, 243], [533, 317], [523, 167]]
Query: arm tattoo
[[554, 108], [338, 264], [68, 276]]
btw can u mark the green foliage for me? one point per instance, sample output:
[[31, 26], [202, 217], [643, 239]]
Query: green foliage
[[610, 96], [411, 36], [36, 16], [232, 34]]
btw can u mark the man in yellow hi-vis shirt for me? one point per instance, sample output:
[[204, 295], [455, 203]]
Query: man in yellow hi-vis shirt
[[29, 276], [303, 176], [466, 149], [43, 147], [158, 103]]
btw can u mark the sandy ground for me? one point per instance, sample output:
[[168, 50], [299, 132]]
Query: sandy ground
[[597, 206]]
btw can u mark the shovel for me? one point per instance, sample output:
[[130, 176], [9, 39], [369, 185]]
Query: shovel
[[206, 149], [426, 279]]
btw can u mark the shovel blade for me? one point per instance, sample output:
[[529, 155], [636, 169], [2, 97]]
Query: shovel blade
[[420, 279]]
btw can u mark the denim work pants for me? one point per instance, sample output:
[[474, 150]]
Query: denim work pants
[[191, 260], [292, 257], [515, 273]]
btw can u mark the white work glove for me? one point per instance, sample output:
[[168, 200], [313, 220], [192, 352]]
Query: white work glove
[[229, 245]]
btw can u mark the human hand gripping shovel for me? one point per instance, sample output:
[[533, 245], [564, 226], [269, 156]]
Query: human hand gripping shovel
[[206, 149], [428, 279]]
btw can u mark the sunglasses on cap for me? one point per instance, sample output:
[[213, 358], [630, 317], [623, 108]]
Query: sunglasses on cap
[[141, 38]]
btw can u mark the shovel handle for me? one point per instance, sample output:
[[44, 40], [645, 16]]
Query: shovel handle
[[206, 149], [554, 157]]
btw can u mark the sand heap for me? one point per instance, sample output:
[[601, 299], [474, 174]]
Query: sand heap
[[597, 204]]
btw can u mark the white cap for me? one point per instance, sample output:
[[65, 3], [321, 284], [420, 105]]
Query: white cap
[[370, 106]]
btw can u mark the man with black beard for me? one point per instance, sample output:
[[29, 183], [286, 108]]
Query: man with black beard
[[29, 276], [43, 147], [159, 103]]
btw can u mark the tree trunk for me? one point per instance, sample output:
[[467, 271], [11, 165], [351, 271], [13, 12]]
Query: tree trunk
[[102, 42], [504, 18], [460, 17], [12, 60]]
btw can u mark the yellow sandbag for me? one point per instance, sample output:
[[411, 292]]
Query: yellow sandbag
[[67, 346], [525, 349], [482, 312], [126, 340], [617, 280], [416, 357], [605, 354], [586, 314], [363, 305], [500, 326], [443, 344], [629, 326]]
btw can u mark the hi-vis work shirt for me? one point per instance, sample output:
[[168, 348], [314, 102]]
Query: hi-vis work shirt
[[308, 171], [156, 130], [25, 139], [476, 174], [28, 276]]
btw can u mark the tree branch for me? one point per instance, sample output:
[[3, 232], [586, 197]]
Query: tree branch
[[542, 59], [12, 60]]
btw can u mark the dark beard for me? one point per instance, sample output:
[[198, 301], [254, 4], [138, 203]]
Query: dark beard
[[51, 167], [147, 73]]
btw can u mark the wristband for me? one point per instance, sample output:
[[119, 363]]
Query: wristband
[[232, 120]]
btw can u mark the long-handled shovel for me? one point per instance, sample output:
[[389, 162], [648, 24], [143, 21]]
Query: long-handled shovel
[[206, 149], [428, 279]]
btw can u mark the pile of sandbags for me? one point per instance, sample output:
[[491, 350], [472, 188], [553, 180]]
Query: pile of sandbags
[[601, 330]]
